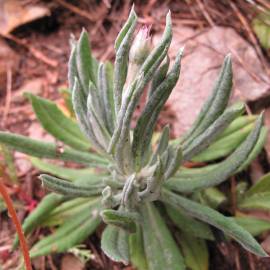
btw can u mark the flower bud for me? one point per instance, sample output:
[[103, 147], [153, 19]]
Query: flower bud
[[141, 46], [139, 50]]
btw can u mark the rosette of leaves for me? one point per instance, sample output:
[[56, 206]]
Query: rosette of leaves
[[135, 184]]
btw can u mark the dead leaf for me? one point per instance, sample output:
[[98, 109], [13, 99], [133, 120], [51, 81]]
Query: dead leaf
[[34, 86], [14, 13]]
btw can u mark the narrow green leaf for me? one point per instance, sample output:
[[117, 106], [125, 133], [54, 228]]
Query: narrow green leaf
[[210, 216], [71, 204], [162, 144], [261, 186], [255, 226], [260, 25], [95, 99], [79, 101], [161, 47], [40, 213], [256, 149], [57, 124], [84, 61], [66, 210], [215, 104], [72, 66], [184, 172], [161, 250], [174, 162], [213, 197], [66, 96], [132, 16], [49, 150], [158, 77], [105, 82], [67, 173], [122, 45], [209, 135], [237, 124], [73, 232], [224, 169], [224, 146], [120, 218], [257, 201], [136, 248], [98, 124], [114, 243], [195, 252], [188, 224], [141, 135], [70, 189]]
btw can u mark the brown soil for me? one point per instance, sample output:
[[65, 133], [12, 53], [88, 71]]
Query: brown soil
[[50, 36]]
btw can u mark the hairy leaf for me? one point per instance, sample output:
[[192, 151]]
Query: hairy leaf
[[253, 225], [215, 104], [210, 134], [225, 168], [77, 228], [49, 150], [120, 218], [188, 224], [122, 46], [114, 243], [210, 216], [67, 173], [160, 248], [195, 252], [136, 248], [57, 124], [70, 189], [40, 213]]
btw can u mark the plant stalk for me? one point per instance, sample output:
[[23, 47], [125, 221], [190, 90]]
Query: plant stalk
[[18, 226]]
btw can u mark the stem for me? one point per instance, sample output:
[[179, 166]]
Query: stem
[[18, 226]]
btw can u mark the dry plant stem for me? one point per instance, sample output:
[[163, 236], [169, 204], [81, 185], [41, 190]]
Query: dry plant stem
[[79, 11], [8, 95], [18, 226], [205, 13], [252, 36], [36, 53]]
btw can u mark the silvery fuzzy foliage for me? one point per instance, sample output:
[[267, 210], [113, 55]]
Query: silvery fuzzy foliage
[[141, 172], [104, 105]]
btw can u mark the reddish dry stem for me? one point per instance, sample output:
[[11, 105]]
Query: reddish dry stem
[[18, 226]]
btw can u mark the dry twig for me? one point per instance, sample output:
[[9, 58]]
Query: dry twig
[[93, 17], [251, 35], [8, 96], [35, 52], [205, 13], [18, 226]]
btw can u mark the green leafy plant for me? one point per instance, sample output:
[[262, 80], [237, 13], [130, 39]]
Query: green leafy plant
[[260, 25], [136, 186]]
